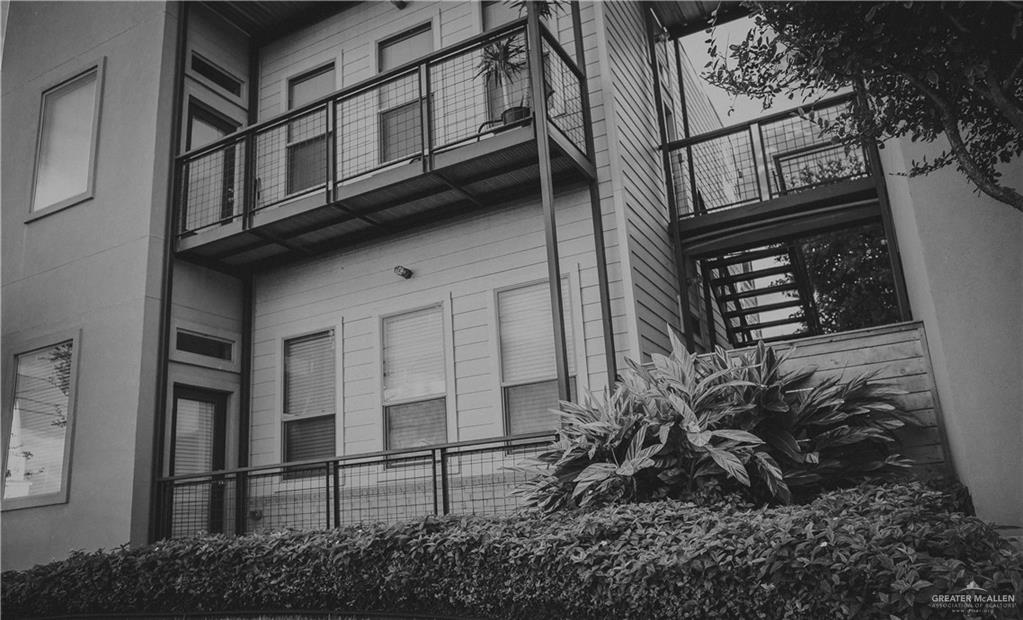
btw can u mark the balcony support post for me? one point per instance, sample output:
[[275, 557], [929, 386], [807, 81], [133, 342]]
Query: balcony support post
[[534, 44], [887, 223], [596, 214], [682, 266]]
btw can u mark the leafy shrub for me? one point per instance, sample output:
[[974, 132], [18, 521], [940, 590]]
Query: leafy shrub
[[691, 423], [869, 552]]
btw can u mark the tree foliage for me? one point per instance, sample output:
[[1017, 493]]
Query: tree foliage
[[930, 69]]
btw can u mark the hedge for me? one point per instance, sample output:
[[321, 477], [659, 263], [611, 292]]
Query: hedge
[[869, 552]]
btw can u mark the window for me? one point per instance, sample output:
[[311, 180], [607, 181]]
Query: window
[[415, 385], [40, 437], [401, 128], [528, 367], [309, 401], [307, 142], [498, 13], [66, 149], [215, 74], [212, 178], [200, 344]]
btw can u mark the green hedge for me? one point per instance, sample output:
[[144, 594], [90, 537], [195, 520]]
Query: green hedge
[[867, 553]]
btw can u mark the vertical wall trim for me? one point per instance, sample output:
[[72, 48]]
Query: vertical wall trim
[[167, 269]]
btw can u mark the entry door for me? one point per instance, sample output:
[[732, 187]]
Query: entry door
[[197, 446], [215, 173]]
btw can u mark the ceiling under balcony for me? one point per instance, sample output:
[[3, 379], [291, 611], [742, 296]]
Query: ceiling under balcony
[[682, 17]]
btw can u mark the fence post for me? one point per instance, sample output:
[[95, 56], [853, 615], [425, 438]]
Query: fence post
[[445, 499], [434, 457], [426, 114], [241, 492], [328, 482], [251, 188], [337, 493]]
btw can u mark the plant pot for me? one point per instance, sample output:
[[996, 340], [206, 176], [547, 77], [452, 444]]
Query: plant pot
[[514, 114]]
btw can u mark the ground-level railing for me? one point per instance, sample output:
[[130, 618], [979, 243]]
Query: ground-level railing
[[772, 156], [470, 477], [459, 95]]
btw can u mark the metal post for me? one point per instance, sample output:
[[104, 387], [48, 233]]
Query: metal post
[[327, 484], [445, 491], [887, 223], [337, 493], [596, 215], [434, 457], [534, 43], [426, 112]]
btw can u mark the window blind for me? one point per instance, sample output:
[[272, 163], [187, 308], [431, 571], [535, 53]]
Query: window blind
[[406, 47], [309, 375], [527, 335], [311, 86], [309, 439], [35, 457], [414, 355], [529, 406], [193, 436], [416, 424]]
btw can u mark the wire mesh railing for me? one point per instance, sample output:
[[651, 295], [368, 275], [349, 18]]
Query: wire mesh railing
[[474, 477], [466, 93], [774, 156]]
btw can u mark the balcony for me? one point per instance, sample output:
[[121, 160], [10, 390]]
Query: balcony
[[425, 141], [750, 183]]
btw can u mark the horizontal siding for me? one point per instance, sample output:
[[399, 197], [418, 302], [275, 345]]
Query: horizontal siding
[[649, 244], [896, 354]]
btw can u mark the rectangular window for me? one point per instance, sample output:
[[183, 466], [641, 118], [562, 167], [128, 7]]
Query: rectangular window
[[216, 75], [67, 142], [309, 397], [307, 141], [201, 344], [415, 384], [498, 13], [43, 415], [528, 368], [401, 126]]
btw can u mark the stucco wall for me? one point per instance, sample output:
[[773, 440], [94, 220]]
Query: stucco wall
[[963, 257], [93, 267]]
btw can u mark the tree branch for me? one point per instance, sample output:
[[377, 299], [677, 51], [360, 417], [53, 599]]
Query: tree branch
[[966, 162], [998, 98]]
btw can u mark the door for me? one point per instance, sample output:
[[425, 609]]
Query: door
[[198, 442], [211, 198]]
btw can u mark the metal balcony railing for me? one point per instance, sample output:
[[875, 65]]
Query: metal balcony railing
[[402, 116], [471, 477], [767, 158]]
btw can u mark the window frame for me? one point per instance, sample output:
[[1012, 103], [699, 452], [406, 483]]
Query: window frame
[[291, 144], [382, 112], [285, 417], [97, 66], [442, 308], [577, 378], [208, 331], [10, 379]]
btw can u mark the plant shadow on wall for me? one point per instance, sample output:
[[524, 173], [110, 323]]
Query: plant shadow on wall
[[697, 427]]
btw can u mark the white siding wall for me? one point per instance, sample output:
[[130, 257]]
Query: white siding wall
[[459, 263]]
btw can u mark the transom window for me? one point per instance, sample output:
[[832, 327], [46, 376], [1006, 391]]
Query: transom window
[[309, 397], [41, 422], [67, 142], [415, 382], [528, 367]]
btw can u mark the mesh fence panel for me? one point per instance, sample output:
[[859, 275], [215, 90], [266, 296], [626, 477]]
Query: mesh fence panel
[[379, 126], [213, 188], [564, 96]]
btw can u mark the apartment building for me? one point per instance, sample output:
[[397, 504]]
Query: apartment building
[[298, 264]]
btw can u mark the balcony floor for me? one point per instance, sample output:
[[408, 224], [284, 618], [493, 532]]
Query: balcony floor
[[472, 176]]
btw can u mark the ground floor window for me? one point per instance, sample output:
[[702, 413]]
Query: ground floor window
[[41, 422], [414, 379], [309, 397]]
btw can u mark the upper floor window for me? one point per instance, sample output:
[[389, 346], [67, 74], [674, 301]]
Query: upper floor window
[[307, 141], [66, 150], [528, 368], [309, 397], [497, 13], [40, 437], [415, 384], [405, 47]]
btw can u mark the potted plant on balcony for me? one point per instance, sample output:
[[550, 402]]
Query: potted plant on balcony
[[501, 65]]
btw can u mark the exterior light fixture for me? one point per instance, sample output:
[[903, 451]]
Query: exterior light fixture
[[402, 271]]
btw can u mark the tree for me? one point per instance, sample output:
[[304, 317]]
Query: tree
[[929, 69]]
